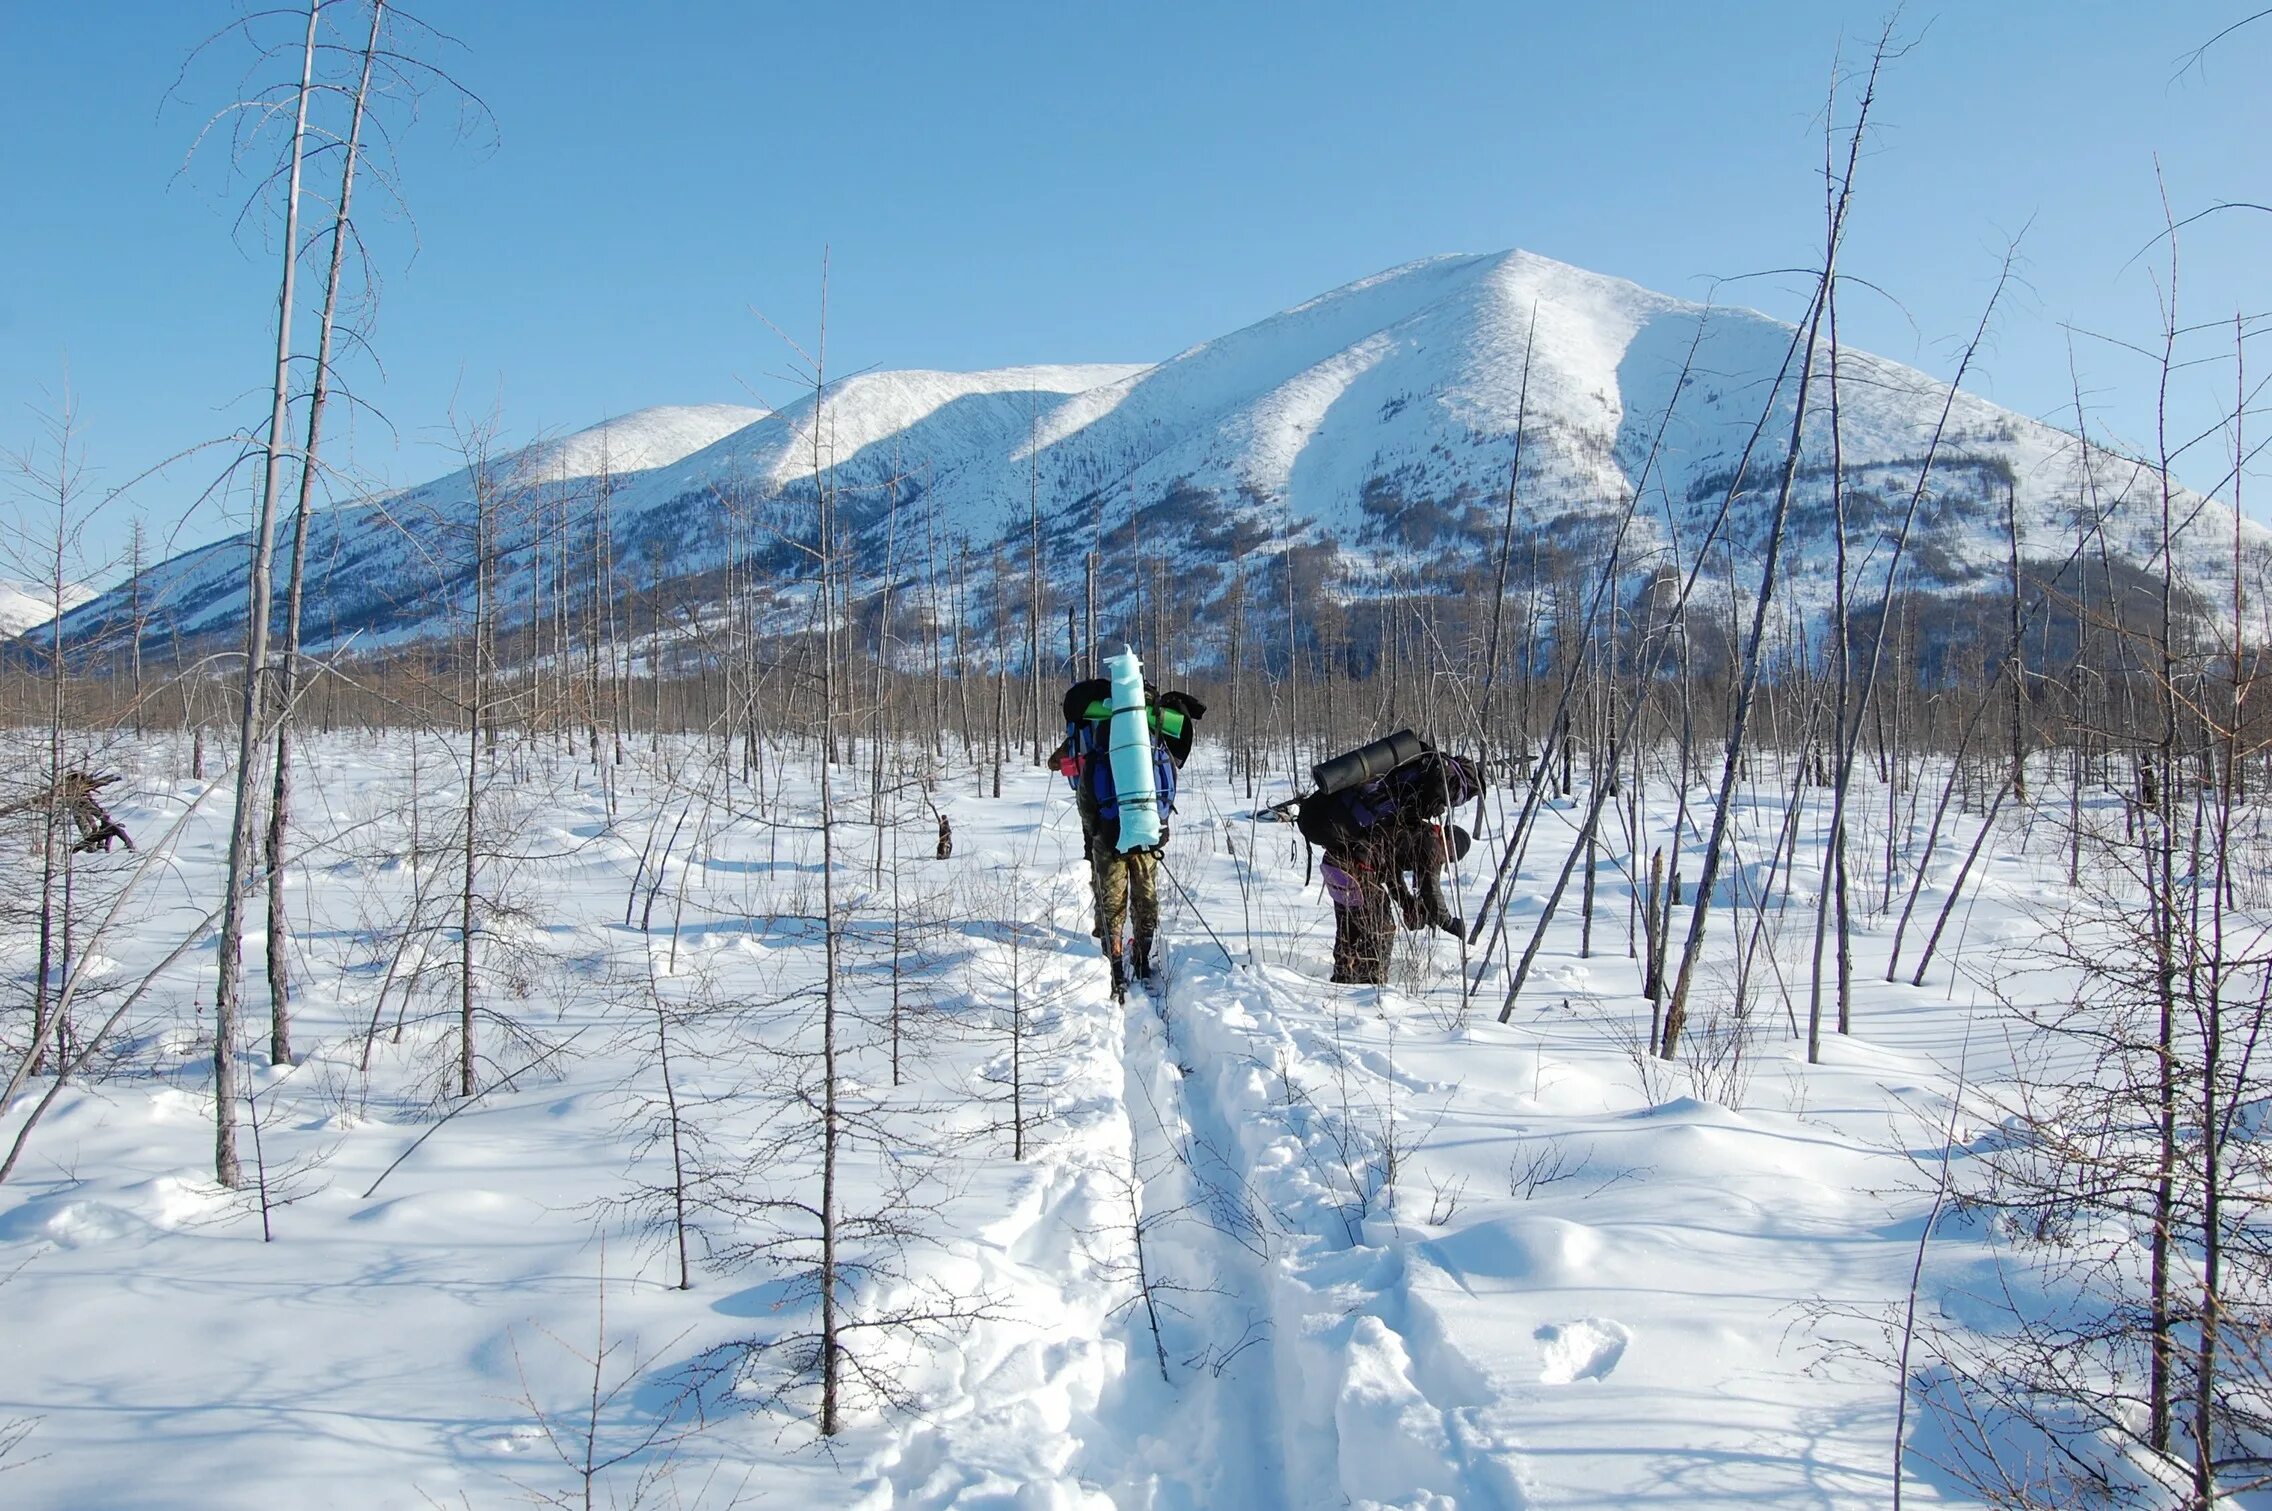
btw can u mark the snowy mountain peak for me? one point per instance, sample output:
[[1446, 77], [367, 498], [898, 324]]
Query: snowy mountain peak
[[635, 442], [1385, 424], [24, 604], [871, 409]]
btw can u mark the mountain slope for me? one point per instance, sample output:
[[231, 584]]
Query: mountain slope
[[374, 564], [1382, 420], [24, 604], [634, 442]]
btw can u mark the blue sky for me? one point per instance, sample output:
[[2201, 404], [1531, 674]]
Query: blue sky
[[1004, 183]]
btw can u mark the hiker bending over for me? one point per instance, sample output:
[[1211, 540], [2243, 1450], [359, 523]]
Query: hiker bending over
[[1123, 884], [1355, 876], [1384, 857], [1415, 874]]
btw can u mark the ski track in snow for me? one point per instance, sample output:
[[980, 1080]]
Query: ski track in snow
[[1399, 1407], [1643, 1326]]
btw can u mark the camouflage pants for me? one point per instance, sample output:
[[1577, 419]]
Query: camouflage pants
[[1121, 884]]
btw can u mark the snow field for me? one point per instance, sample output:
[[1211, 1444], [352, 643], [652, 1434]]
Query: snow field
[[1390, 1252]]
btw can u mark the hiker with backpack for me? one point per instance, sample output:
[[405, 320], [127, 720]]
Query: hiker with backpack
[[1125, 743], [1376, 815]]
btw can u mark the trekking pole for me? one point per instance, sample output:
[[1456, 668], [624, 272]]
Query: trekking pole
[[1228, 958]]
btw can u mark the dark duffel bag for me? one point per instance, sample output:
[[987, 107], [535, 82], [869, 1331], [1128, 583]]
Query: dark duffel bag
[[1366, 762]]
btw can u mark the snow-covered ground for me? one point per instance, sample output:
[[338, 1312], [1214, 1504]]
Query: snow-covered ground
[[1397, 1253]]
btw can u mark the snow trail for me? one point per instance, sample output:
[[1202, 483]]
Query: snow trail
[[1381, 1409], [1196, 1408]]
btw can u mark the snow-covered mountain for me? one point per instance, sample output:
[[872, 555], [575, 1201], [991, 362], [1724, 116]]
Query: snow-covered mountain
[[380, 562], [1380, 420], [24, 604], [635, 442]]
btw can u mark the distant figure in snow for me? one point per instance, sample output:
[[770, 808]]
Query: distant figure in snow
[[75, 795], [1384, 856], [1123, 884]]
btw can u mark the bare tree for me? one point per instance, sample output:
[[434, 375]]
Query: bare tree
[[252, 728], [1715, 847], [287, 668]]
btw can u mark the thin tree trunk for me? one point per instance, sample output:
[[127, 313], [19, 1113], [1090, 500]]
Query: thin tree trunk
[[287, 670], [477, 691], [832, 947], [1676, 1009], [229, 951]]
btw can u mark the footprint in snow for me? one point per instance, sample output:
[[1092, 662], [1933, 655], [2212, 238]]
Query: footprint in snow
[[1587, 1349]]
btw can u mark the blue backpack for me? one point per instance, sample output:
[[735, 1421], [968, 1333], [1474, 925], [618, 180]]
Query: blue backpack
[[1089, 741]]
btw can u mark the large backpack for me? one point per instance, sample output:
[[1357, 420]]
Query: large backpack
[[1088, 739], [1426, 787], [1419, 790]]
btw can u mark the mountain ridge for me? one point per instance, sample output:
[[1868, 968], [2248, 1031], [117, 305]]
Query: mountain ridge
[[1380, 422]]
